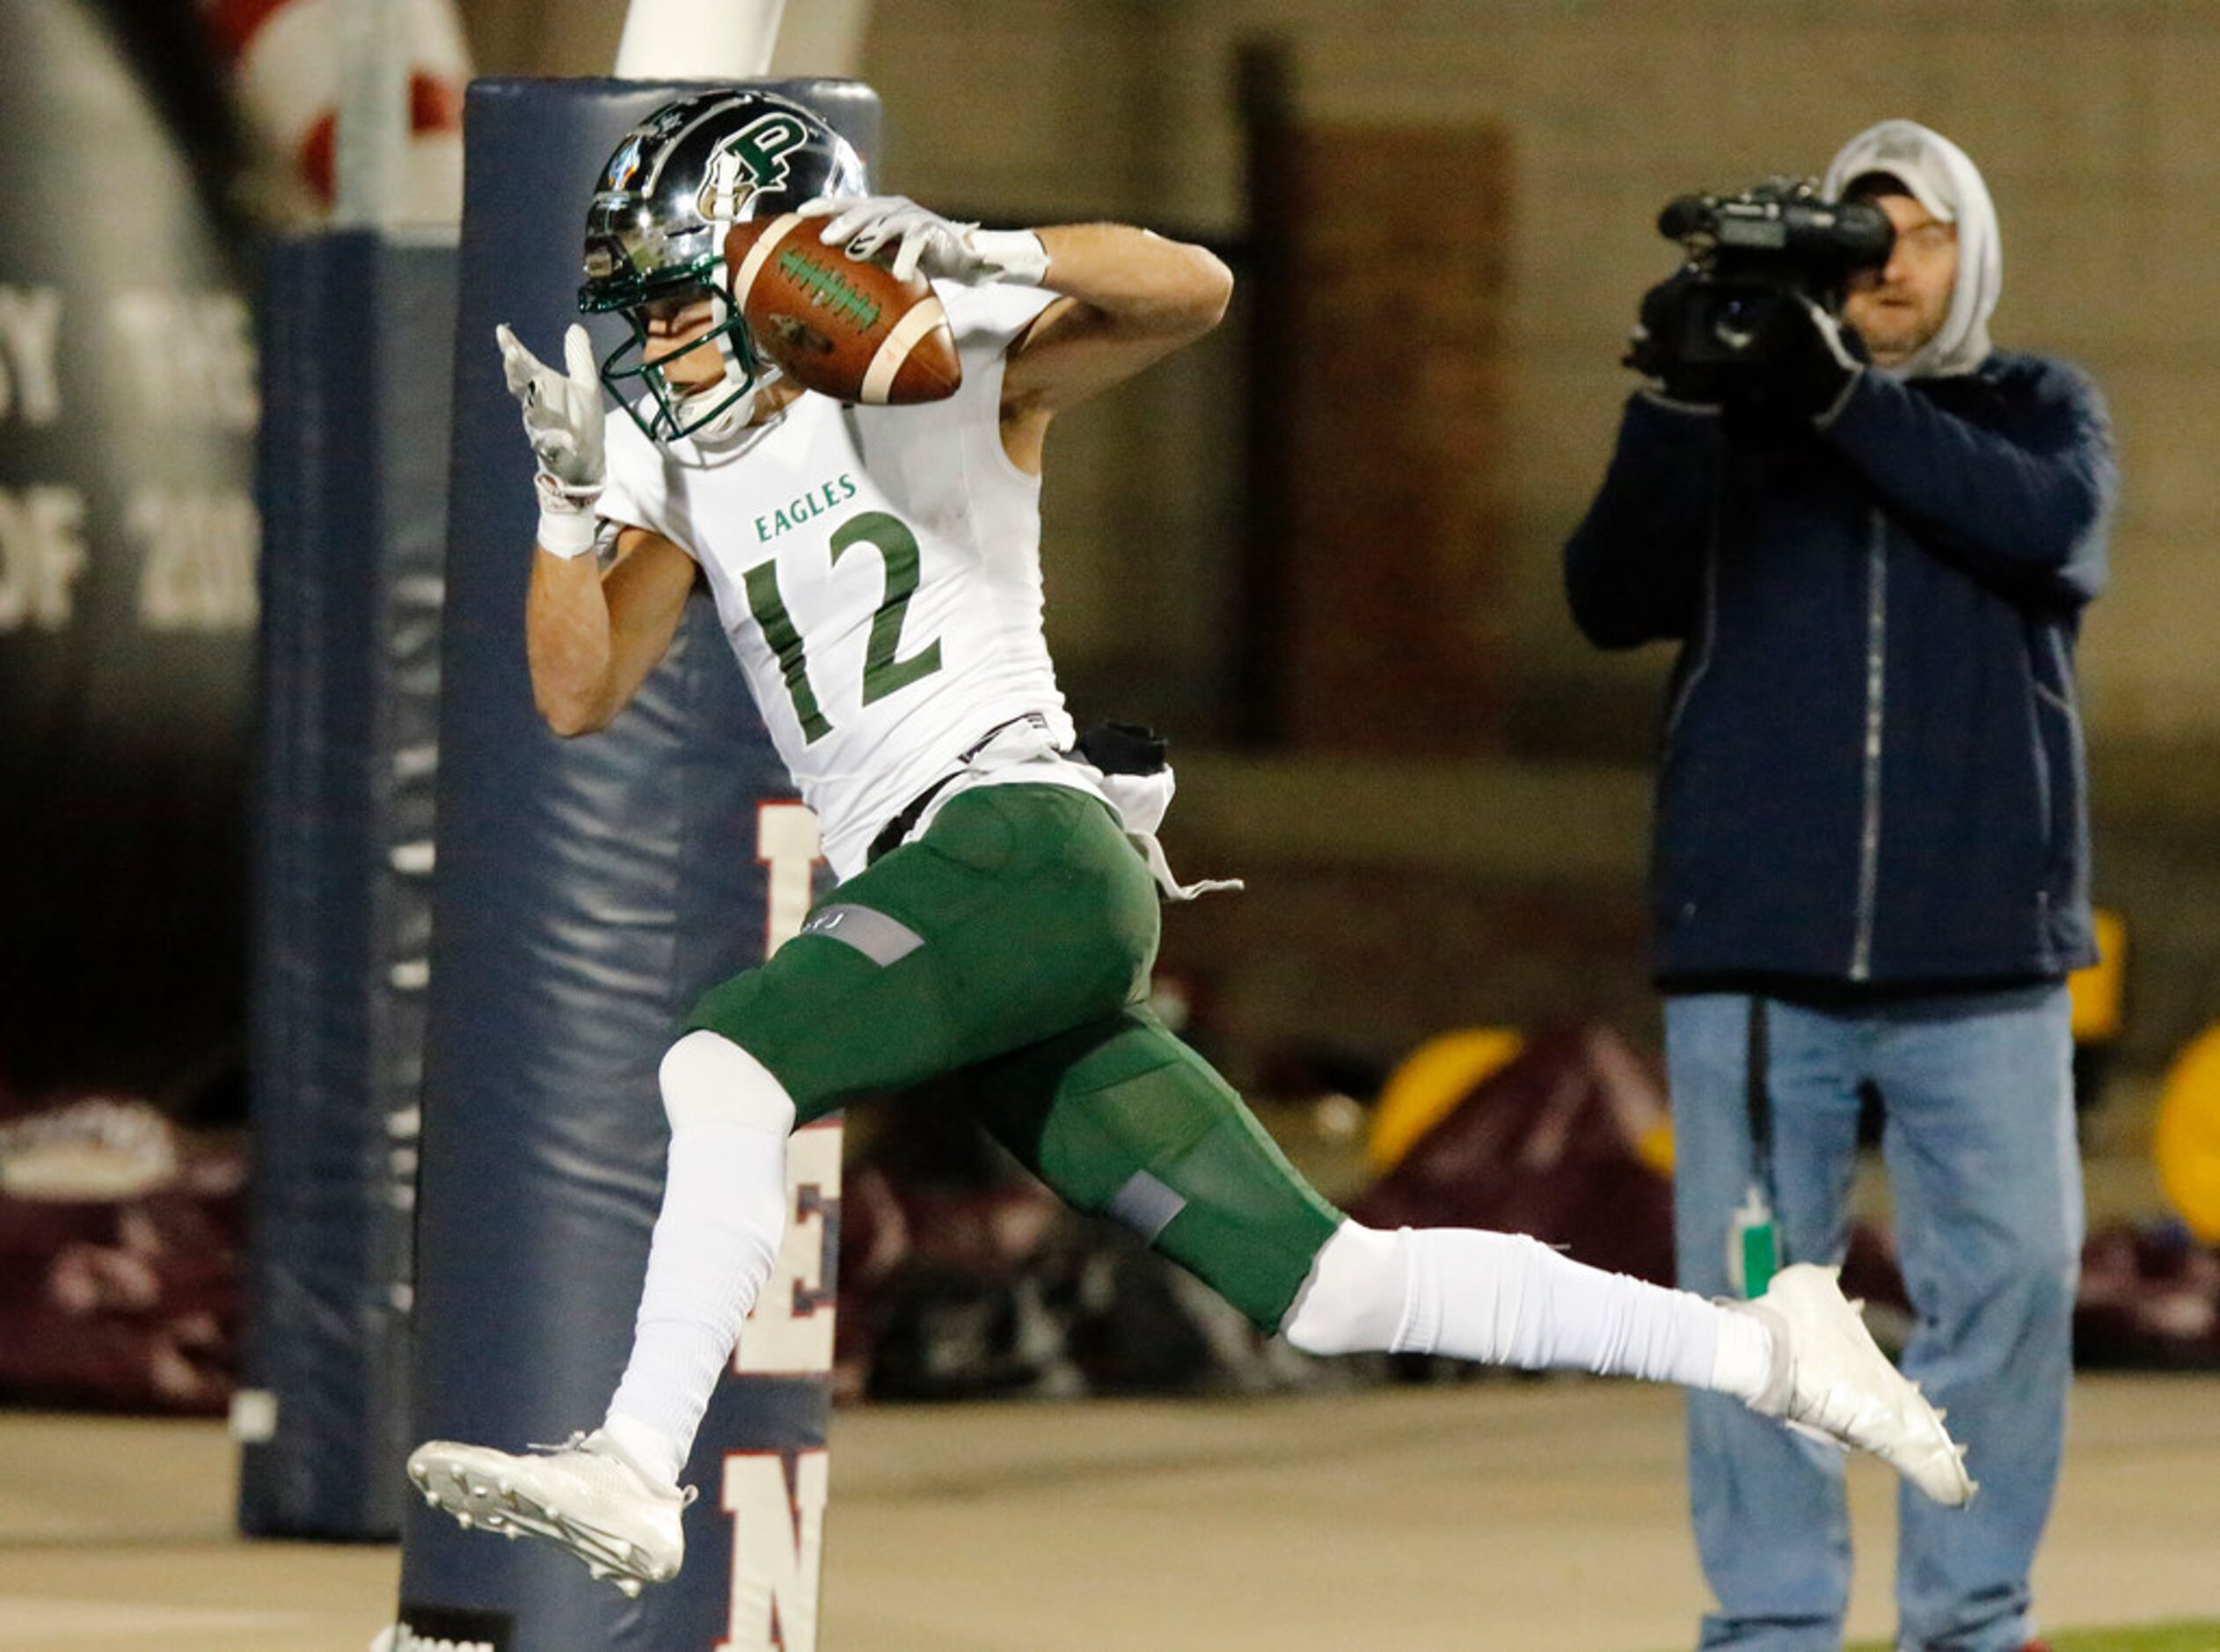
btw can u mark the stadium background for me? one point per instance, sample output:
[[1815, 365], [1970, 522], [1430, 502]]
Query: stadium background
[[1385, 720]]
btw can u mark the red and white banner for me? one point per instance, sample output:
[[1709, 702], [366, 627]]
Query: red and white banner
[[287, 58]]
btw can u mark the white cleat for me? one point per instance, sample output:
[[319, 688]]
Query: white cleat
[[1832, 1380], [583, 1496]]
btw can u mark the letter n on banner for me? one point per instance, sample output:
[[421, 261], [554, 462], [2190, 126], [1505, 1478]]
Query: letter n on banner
[[776, 1501]]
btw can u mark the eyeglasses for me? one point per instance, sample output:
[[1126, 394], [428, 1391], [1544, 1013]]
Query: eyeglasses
[[1928, 240]]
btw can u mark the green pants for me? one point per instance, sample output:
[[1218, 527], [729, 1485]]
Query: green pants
[[1012, 945]]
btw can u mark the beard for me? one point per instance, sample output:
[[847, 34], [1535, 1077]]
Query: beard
[[1892, 332]]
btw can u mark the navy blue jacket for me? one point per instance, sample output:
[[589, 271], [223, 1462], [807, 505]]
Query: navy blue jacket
[[1871, 767]]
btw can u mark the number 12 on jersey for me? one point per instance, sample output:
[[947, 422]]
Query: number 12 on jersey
[[884, 670]]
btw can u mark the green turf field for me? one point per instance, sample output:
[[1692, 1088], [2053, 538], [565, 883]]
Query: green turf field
[[2157, 1637]]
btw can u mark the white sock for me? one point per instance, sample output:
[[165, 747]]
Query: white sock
[[646, 1448], [1507, 1300], [724, 1213], [1357, 1295], [1745, 1363]]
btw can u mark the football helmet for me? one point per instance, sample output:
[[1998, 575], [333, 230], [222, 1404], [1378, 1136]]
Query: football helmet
[[655, 234]]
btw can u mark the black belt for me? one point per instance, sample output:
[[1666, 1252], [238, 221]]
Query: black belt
[[892, 835], [1113, 748]]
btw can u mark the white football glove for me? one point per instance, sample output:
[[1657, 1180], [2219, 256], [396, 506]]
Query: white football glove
[[563, 419], [865, 225]]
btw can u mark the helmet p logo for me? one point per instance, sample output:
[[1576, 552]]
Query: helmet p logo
[[751, 160]]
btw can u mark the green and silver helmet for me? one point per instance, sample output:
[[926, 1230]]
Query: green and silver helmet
[[655, 234]]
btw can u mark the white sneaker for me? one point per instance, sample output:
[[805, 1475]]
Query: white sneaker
[[1832, 1380], [584, 1496]]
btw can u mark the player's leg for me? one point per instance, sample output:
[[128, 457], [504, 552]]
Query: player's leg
[[1122, 1119], [1770, 1518], [611, 1497], [716, 1238], [1987, 1184], [1022, 911]]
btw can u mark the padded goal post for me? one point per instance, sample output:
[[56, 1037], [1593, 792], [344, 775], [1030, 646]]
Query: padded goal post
[[586, 891], [357, 332]]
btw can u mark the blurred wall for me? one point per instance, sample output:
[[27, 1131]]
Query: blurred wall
[[2096, 124]]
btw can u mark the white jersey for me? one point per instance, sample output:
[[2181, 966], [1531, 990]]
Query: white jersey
[[877, 572]]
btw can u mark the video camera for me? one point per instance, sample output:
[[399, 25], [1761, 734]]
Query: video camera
[[1747, 253]]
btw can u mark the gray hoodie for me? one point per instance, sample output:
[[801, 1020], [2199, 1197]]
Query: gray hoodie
[[1943, 180]]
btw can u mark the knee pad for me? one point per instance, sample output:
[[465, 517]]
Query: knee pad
[[708, 1079], [1233, 1213], [1123, 1119]]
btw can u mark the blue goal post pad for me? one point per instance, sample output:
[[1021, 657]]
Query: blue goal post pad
[[357, 335]]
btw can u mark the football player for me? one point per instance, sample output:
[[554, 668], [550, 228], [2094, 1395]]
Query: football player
[[877, 571]]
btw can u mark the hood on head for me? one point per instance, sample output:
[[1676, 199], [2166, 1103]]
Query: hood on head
[[1943, 180]]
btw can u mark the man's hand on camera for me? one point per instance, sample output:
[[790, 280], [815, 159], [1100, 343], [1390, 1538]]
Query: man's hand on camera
[[1805, 360], [1653, 349]]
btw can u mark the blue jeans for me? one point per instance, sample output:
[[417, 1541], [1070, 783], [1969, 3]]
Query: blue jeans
[[1986, 1182]]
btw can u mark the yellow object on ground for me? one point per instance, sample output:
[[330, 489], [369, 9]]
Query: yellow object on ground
[[1655, 1148], [2096, 991], [1426, 1087], [2185, 1143]]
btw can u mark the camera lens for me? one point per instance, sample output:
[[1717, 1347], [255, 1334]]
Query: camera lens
[[1735, 323]]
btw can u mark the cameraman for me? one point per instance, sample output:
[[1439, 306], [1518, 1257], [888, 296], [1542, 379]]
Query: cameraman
[[1872, 543]]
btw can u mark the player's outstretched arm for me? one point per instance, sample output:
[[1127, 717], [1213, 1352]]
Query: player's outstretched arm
[[1129, 298], [593, 637]]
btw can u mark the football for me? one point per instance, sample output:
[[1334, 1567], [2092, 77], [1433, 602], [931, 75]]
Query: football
[[839, 324]]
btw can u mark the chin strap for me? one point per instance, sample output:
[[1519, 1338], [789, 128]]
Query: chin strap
[[729, 424], [734, 418]]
